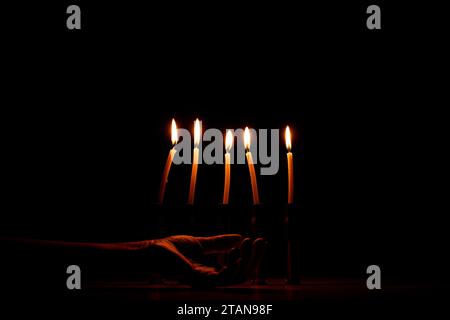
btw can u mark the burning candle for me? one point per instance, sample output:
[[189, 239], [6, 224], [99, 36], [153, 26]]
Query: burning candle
[[228, 145], [290, 166], [251, 167], [162, 188], [197, 134]]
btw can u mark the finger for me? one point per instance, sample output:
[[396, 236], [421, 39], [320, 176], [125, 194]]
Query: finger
[[246, 251], [235, 271], [231, 265], [233, 256], [205, 270], [258, 249], [218, 244], [204, 276]]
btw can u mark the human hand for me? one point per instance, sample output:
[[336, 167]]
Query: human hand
[[183, 258]]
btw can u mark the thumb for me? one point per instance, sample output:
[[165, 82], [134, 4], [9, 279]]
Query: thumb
[[221, 243]]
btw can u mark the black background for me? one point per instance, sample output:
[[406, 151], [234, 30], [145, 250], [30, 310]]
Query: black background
[[86, 120]]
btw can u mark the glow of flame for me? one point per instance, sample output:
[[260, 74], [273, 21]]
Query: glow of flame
[[197, 132], [288, 139], [247, 138], [228, 141], [174, 132]]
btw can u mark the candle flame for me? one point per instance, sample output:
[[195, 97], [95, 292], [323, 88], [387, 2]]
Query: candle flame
[[288, 139], [247, 138], [197, 132], [174, 132], [228, 140]]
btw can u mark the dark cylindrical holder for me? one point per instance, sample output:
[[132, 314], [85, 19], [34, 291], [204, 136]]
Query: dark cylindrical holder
[[292, 232], [258, 229], [192, 213], [258, 222], [223, 218]]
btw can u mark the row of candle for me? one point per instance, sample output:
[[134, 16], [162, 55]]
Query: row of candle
[[228, 146]]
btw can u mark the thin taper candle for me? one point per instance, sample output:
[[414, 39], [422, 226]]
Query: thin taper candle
[[290, 162], [251, 167], [164, 180], [226, 187], [197, 133]]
